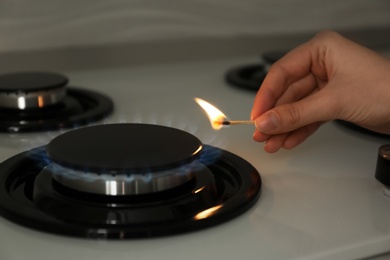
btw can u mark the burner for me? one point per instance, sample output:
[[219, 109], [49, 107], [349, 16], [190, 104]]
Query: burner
[[247, 76], [252, 76], [125, 181], [39, 101], [155, 165], [31, 90]]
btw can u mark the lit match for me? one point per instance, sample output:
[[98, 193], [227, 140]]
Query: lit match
[[237, 122], [217, 118]]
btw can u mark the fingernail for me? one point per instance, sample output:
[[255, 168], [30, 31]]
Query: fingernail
[[267, 122]]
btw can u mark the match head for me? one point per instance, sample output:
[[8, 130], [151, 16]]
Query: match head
[[220, 123]]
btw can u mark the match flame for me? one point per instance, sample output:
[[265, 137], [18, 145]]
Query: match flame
[[215, 116]]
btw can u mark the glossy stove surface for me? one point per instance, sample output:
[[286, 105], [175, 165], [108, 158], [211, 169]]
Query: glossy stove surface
[[319, 201]]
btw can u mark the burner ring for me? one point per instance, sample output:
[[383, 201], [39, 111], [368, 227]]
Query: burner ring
[[119, 184], [124, 159], [38, 99], [29, 90], [248, 77], [252, 76]]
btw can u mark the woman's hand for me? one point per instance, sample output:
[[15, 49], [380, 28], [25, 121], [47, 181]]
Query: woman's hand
[[326, 78]]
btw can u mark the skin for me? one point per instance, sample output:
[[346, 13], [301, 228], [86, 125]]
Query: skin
[[326, 78]]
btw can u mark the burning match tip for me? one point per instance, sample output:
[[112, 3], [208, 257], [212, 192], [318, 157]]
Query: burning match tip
[[236, 122]]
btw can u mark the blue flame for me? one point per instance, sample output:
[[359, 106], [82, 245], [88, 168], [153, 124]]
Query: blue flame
[[126, 176], [39, 156], [210, 155]]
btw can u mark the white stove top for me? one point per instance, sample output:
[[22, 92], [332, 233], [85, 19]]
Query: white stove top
[[318, 201]]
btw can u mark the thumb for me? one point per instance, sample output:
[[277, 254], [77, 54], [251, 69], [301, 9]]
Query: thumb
[[288, 117]]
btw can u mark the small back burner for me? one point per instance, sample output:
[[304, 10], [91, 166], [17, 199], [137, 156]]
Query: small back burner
[[125, 181], [39, 101], [251, 76], [31, 90]]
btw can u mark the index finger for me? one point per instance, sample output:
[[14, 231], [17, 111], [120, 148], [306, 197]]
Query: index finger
[[293, 66]]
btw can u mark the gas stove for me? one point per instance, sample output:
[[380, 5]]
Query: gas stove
[[318, 201], [119, 181]]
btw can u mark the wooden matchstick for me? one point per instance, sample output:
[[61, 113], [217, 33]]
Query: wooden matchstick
[[237, 122]]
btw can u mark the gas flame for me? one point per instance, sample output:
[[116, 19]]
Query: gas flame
[[215, 116]]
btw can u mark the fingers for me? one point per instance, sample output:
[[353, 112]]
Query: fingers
[[318, 107], [274, 143], [293, 101], [298, 136], [293, 67], [289, 140], [260, 137], [298, 90]]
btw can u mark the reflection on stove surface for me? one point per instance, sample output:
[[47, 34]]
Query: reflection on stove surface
[[122, 181]]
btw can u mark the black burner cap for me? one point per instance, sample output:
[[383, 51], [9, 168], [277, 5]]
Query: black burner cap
[[31, 81], [124, 147]]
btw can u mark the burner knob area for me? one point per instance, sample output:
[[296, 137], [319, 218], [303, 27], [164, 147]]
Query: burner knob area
[[382, 173]]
